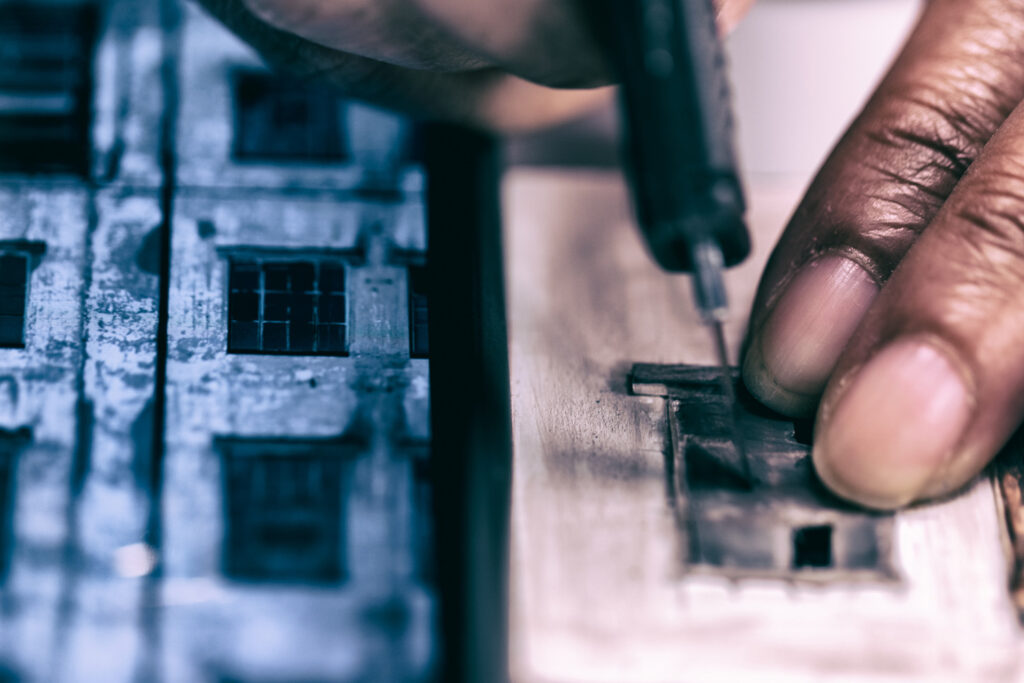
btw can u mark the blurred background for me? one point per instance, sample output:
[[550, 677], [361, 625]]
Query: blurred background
[[214, 423]]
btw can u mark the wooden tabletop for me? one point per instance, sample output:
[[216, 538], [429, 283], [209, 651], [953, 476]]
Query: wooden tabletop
[[599, 591]]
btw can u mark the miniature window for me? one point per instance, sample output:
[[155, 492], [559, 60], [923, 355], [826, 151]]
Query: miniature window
[[14, 272], [11, 443], [6, 461], [281, 119], [284, 510], [423, 515], [45, 73], [812, 546], [419, 342], [296, 307]]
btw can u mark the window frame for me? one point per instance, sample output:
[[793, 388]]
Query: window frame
[[67, 147], [347, 259], [12, 443], [31, 252], [338, 151], [341, 452]]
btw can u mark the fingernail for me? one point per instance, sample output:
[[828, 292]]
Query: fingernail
[[894, 427], [798, 346]]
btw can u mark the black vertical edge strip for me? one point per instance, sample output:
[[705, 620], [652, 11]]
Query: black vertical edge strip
[[470, 402], [148, 662], [170, 19]]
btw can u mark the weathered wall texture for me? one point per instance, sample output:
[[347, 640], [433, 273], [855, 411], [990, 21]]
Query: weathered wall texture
[[116, 559]]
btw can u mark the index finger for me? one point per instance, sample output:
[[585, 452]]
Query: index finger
[[541, 40], [544, 41], [956, 81]]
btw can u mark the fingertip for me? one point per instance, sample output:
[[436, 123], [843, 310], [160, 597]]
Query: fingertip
[[864, 494], [889, 431], [766, 388], [796, 348]]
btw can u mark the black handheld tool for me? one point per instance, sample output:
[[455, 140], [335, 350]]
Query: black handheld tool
[[679, 134], [678, 129]]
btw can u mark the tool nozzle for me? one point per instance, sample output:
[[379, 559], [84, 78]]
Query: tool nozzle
[[708, 283]]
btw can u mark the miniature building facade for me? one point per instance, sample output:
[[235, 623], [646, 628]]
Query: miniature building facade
[[769, 517], [214, 409]]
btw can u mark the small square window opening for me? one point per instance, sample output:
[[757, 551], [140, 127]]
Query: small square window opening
[[291, 307], [812, 547]]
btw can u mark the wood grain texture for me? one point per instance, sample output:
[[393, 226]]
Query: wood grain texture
[[598, 587]]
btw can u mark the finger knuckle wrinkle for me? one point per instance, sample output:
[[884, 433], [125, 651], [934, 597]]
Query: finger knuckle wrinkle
[[937, 130], [904, 208], [995, 211], [907, 196], [931, 157]]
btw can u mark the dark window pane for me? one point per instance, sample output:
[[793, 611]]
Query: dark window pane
[[302, 337], [12, 299], [244, 306], [275, 307], [332, 278], [418, 279], [276, 276], [301, 308], [332, 338], [245, 276], [333, 308], [420, 343], [338, 341], [281, 119], [418, 312], [244, 337], [275, 337], [10, 445], [290, 530], [13, 268], [303, 275], [11, 331]]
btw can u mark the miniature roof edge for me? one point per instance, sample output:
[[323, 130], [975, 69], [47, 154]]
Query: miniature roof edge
[[33, 247], [652, 379]]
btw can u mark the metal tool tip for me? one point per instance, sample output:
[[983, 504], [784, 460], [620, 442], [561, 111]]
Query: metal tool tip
[[729, 392]]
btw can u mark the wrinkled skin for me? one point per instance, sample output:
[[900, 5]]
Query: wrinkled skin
[[893, 305]]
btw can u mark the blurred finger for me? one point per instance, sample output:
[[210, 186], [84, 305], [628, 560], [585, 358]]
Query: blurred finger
[[955, 82], [482, 98], [545, 41], [392, 31], [932, 384]]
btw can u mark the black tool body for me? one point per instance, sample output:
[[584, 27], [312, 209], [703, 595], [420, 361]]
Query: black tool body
[[678, 127]]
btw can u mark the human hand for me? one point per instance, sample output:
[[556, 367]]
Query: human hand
[[499, 64], [896, 294]]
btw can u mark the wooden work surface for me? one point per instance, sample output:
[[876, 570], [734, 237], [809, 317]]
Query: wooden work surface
[[597, 591]]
